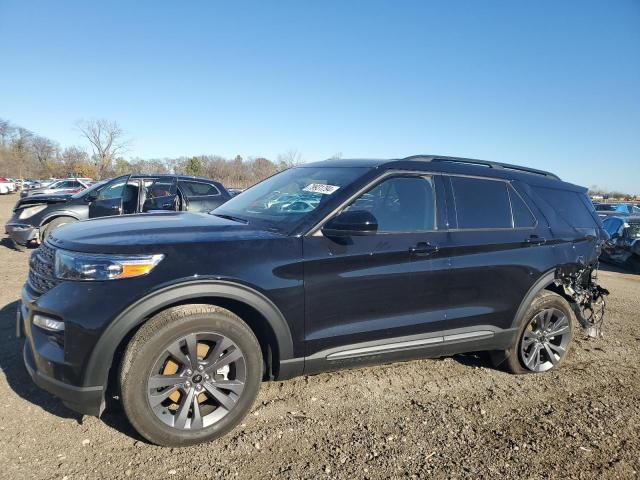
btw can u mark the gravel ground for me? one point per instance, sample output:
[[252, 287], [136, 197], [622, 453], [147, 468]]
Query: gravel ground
[[449, 418]]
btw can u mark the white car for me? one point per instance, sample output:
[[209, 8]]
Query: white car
[[5, 184]]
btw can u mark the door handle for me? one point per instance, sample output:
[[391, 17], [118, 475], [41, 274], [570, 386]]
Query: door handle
[[536, 240], [423, 249]]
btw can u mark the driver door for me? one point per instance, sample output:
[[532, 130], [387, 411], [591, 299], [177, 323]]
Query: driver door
[[109, 199], [383, 286]]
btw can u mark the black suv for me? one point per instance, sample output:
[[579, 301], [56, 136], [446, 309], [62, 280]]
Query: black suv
[[36, 216], [329, 265]]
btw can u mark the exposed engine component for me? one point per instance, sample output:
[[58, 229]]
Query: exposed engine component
[[579, 281]]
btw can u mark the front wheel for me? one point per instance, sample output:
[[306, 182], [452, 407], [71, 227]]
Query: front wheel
[[545, 336], [190, 375], [55, 223]]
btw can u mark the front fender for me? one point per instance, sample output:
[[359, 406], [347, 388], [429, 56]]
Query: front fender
[[102, 357], [59, 213]]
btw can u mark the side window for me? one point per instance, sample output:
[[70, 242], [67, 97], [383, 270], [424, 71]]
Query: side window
[[522, 216], [400, 204], [112, 190], [160, 187], [481, 203], [198, 189]]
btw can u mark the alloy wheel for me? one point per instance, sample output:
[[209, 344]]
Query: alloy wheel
[[545, 340], [196, 381]]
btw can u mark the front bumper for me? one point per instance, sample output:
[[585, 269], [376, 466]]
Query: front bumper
[[45, 361], [84, 400], [21, 233]]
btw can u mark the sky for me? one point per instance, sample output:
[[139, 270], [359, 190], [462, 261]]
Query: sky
[[547, 84]]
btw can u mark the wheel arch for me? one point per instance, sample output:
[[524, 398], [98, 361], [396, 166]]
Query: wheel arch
[[57, 214], [545, 281], [262, 316]]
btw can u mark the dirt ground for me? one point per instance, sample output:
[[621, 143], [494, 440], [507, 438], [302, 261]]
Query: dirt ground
[[448, 418]]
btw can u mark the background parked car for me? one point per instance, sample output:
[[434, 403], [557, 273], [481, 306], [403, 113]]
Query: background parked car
[[35, 216], [235, 191], [623, 246], [68, 185], [6, 186], [616, 209]]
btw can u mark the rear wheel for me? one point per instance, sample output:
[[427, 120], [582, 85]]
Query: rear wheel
[[190, 375], [544, 339], [55, 223]]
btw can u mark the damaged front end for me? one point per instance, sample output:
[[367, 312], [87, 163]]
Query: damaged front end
[[579, 282]]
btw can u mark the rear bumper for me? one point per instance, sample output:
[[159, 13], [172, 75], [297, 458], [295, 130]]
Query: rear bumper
[[21, 233]]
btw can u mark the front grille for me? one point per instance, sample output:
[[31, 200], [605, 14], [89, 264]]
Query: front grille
[[41, 269]]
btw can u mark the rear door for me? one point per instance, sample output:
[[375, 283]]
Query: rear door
[[161, 194], [498, 249], [200, 196], [109, 198]]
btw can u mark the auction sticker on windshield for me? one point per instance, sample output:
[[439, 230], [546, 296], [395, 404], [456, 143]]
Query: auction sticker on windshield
[[320, 188]]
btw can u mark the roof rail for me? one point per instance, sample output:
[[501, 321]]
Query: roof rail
[[484, 163]]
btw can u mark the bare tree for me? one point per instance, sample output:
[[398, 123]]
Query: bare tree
[[107, 141], [44, 149], [290, 158], [336, 156], [6, 130]]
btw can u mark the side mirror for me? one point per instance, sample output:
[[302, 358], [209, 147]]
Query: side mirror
[[349, 223]]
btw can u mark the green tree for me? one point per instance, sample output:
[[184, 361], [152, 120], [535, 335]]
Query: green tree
[[194, 166]]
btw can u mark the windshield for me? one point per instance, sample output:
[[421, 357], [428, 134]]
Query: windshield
[[633, 230], [86, 191], [281, 201], [55, 184]]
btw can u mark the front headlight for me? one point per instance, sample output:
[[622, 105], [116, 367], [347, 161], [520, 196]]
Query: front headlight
[[80, 266], [31, 211]]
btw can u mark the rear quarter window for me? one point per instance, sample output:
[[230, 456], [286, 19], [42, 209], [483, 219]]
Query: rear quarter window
[[568, 205], [198, 189]]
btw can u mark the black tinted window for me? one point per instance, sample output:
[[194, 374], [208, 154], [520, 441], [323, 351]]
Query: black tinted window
[[522, 216], [568, 205], [198, 189], [400, 204], [481, 203]]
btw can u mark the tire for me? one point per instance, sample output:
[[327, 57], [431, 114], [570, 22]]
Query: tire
[[219, 410], [518, 359], [16, 246], [53, 224]]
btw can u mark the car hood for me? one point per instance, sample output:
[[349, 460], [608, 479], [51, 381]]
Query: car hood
[[39, 199], [153, 233]]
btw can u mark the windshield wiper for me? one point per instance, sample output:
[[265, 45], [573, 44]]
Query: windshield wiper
[[231, 217]]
